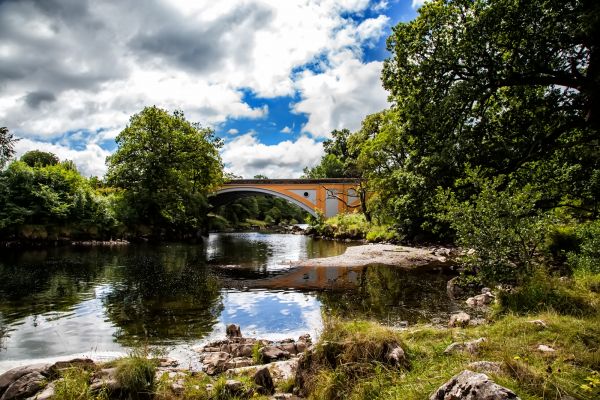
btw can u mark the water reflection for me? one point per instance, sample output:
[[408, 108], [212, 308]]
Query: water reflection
[[64, 301]]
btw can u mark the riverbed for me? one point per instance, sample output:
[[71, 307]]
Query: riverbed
[[101, 302]]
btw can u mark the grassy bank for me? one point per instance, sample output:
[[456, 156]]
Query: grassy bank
[[353, 226]]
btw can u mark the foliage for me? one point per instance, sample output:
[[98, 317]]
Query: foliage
[[7, 146], [165, 165], [135, 374], [52, 201], [541, 293], [37, 158], [74, 385], [501, 224], [509, 87], [587, 259], [511, 342], [352, 226]]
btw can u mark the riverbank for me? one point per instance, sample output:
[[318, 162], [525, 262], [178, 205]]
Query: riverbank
[[385, 254], [536, 356]]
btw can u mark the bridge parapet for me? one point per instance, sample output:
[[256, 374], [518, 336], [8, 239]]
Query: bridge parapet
[[330, 196]]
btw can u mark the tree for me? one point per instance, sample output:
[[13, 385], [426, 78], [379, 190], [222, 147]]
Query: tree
[[166, 166], [508, 87], [7, 146], [37, 158]]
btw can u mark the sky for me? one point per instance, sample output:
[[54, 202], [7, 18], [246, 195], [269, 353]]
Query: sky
[[273, 78]]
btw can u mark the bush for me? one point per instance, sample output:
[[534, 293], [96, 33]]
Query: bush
[[74, 385], [501, 224], [587, 258]]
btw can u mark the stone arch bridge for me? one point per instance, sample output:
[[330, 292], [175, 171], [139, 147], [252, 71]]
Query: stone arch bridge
[[330, 196]]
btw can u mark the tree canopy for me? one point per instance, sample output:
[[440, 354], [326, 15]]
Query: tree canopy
[[39, 158], [165, 165], [7, 146]]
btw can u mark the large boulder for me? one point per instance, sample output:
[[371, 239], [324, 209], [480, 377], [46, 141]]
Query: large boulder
[[24, 387], [469, 385], [10, 376], [215, 363], [233, 331], [263, 379]]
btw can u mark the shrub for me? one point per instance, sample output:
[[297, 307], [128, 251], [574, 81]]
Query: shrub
[[501, 223], [587, 258]]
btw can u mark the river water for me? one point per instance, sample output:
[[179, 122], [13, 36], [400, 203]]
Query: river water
[[101, 301]]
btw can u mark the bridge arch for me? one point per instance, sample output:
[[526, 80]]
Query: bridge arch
[[236, 192]]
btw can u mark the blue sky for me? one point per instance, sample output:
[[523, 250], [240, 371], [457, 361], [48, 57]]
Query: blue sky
[[271, 77]]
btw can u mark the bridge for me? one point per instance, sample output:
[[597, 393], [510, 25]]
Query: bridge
[[329, 196]]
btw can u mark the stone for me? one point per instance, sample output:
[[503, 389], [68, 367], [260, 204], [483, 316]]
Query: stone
[[280, 370], [47, 393], [167, 363], [10, 376], [486, 290], [453, 289], [538, 322], [460, 319], [105, 379], [289, 347], [396, 356], [214, 363], [545, 349], [234, 387], [469, 385], [263, 378], [25, 386], [233, 331], [471, 346], [84, 363], [273, 353], [238, 362], [486, 367], [481, 300]]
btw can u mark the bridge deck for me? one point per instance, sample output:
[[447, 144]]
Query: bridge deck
[[290, 181]]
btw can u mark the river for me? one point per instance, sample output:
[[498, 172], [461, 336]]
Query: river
[[102, 301]]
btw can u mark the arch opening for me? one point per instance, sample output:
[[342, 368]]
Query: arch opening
[[230, 194]]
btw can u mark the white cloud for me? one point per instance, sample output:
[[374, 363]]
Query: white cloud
[[380, 6], [286, 129], [416, 4], [233, 131], [86, 65], [340, 97], [246, 156], [90, 161]]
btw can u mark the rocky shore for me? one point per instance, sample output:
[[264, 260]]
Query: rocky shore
[[384, 254]]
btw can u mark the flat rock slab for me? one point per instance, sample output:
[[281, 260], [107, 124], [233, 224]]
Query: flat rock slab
[[381, 254]]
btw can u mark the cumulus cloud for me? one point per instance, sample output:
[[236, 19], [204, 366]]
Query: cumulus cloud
[[340, 97], [246, 156], [69, 65], [286, 129], [90, 160], [233, 131]]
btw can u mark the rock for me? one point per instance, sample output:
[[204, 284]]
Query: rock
[[84, 363], [396, 356], [215, 362], [272, 353], [105, 379], [279, 370], [284, 396], [472, 346], [234, 387], [238, 362], [241, 350], [47, 393], [25, 386], [545, 349], [486, 290], [486, 367], [538, 322], [460, 319], [481, 300], [167, 363], [233, 331], [289, 347], [453, 289], [10, 376], [263, 378], [469, 385]]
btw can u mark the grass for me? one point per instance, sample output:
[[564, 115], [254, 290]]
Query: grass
[[354, 226], [344, 371], [135, 374]]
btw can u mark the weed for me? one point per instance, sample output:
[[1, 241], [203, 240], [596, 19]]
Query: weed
[[135, 374]]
